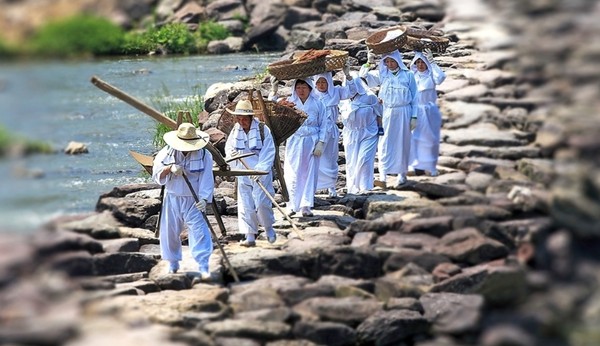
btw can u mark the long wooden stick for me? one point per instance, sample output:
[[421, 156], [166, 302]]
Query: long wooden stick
[[212, 231], [277, 161], [161, 118], [161, 197], [134, 102]]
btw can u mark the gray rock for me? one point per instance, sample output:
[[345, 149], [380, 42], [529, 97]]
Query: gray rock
[[391, 327], [453, 313], [470, 246], [325, 333]]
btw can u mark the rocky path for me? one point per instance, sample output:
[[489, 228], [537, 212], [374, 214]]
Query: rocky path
[[499, 249]]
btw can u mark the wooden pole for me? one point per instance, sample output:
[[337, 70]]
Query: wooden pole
[[212, 231], [277, 161], [161, 118], [285, 215]]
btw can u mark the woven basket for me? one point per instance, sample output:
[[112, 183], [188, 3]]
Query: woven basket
[[376, 42], [292, 69], [335, 60], [284, 120], [420, 39]]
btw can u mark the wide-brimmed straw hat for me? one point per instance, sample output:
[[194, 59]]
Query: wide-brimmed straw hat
[[243, 107], [186, 138]]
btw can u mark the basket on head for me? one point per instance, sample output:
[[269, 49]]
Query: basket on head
[[334, 60], [284, 120], [387, 40], [420, 39], [307, 64]]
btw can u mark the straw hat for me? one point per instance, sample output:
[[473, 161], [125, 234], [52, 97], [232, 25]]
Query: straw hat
[[243, 107], [186, 138]]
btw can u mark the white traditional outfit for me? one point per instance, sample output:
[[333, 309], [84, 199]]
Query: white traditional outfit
[[178, 207], [425, 145], [254, 206], [328, 167], [398, 93], [301, 166], [359, 116]]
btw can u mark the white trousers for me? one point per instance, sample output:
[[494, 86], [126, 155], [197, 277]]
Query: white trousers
[[177, 211]]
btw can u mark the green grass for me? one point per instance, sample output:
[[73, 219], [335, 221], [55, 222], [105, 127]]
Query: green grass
[[6, 50], [9, 141], [209, 31], [86, 35], [174, 38], [80, 35], [170, 108]]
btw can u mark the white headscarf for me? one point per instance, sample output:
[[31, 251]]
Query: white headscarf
[[294, 97], [334, 98], [348, 107], [383, 69], [425, 82], [360, 84], [420, 55]]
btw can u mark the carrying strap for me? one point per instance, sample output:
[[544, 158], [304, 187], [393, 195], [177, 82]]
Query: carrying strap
[[261, 130]]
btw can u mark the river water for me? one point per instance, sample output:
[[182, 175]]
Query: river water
[[56, 103]]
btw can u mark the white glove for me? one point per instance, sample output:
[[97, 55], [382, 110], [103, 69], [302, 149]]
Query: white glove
[[370, 57], [274, 84], [176, 169], [429, 55], [318, 149], [201, 206], [346, 71]]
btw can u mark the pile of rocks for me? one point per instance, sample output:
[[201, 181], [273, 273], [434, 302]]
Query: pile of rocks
[[499, 249]]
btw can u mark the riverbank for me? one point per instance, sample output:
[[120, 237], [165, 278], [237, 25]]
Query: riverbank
[[483, 254]]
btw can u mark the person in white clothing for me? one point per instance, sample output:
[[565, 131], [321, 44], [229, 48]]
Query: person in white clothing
[[304, 148], [331, 95], [184, 154], [398, 95], [254, 206], [360, 135], [425, 145]]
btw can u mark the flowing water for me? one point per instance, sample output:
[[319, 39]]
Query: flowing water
[[56, 103]]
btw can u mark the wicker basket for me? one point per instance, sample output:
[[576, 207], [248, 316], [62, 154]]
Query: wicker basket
[[284, 120], [420, 39], [335, 60], [379, 45], [292, 69]]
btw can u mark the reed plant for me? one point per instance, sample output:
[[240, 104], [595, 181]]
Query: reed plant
[[170, 107]]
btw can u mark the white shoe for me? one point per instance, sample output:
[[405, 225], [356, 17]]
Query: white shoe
[[306, 212], [401, 180], [248, 243]]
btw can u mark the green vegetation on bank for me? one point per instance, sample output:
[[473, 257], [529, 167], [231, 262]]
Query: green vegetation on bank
[[9, 142], [6, 51], [170, 108], [79, 35], [85, 35]]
